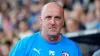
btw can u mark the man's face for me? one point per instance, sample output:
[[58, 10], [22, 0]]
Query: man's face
[[52, 21]]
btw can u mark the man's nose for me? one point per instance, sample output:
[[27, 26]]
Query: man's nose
[[53, 21]]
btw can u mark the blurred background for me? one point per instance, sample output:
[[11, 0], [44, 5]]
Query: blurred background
[[20, 18]]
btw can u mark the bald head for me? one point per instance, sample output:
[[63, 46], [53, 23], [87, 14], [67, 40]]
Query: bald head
[[52, 6]]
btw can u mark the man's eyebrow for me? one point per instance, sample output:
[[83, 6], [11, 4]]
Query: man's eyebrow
[[48, 16], [57, 17]]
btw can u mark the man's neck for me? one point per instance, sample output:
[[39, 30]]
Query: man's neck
[[51, 38]]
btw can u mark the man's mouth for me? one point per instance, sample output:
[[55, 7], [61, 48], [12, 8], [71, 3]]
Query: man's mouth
[[53, 28]]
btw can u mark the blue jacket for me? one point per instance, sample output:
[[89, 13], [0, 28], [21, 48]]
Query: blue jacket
[[35, 45]]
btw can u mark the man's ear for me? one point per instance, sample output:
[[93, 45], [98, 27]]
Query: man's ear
[[40, 19], [63, 24]]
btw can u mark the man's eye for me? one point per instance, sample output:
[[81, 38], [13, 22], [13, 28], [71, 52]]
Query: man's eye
[[57, 17], [48, 17]]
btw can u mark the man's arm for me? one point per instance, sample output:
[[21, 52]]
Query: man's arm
[[18, 50]]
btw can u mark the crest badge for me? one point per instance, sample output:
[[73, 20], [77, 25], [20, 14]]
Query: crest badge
[[65, 54]]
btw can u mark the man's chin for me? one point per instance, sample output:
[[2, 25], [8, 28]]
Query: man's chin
[[53, 33]]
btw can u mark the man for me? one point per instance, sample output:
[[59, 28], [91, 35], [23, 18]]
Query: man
[[97, 53], [48, 42]]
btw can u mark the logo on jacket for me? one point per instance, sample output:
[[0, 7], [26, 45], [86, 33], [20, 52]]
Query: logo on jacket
[[38, 51], [52, 53], [65, 54]]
